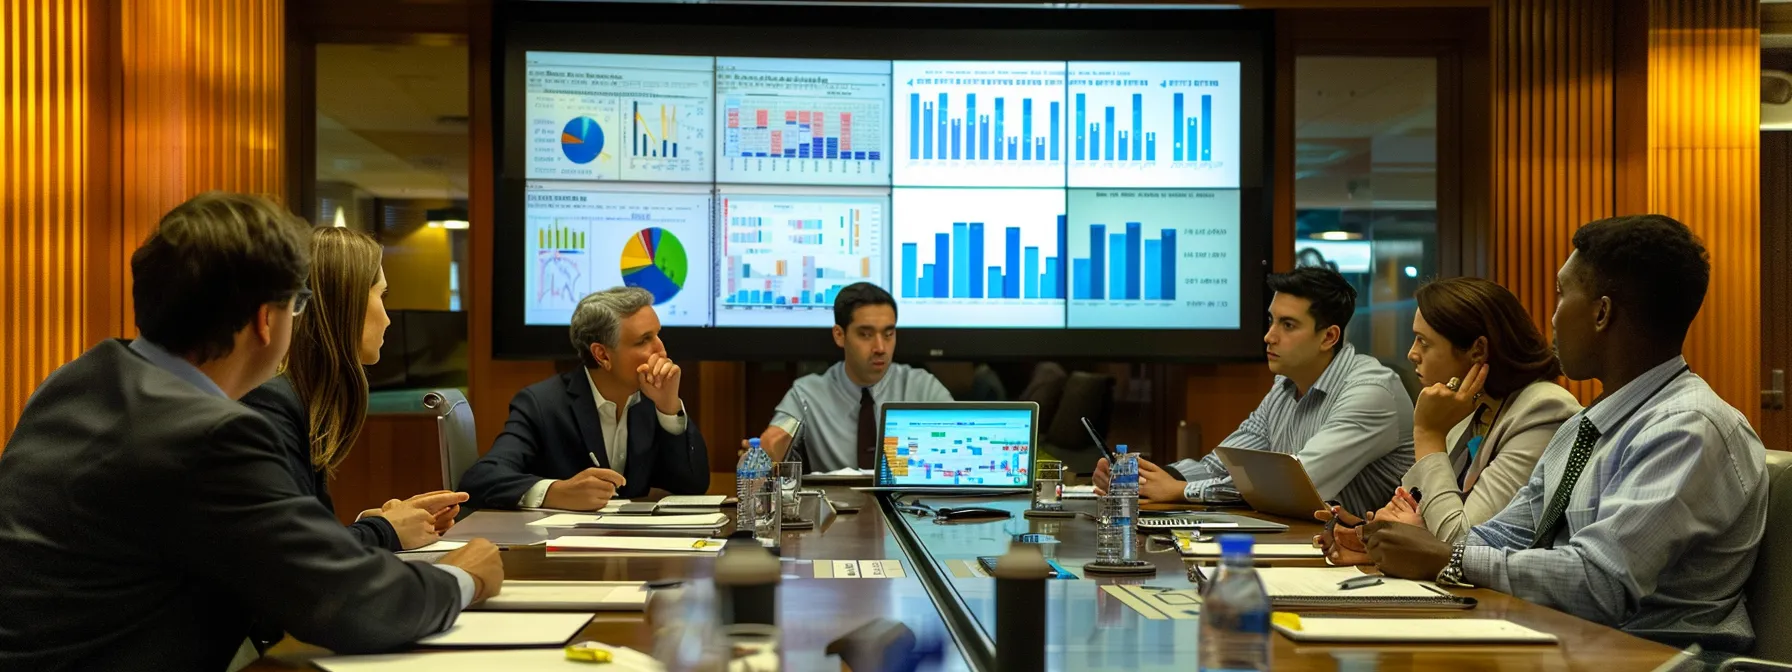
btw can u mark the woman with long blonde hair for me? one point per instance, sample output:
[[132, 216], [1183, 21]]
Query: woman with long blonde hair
[[319, 403]]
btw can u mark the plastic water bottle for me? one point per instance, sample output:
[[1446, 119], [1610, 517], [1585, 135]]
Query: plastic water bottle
[[1235, 613], [1114, 542], [751, 477]]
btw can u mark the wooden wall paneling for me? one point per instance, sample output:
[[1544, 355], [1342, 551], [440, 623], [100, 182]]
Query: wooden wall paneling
[[44, 198], [1553, 142], [1704, 167], [395, 456], [491, 382], [1776, 276]]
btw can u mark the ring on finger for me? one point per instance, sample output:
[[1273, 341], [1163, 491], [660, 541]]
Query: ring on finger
[[1454, 384]]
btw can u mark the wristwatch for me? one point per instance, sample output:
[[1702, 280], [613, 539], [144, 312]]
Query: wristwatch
[[1452, 573]]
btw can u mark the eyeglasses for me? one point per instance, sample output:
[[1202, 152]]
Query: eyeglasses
[[299, 300]]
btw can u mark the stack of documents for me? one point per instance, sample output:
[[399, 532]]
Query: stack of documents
[[477, 628], [705, 521], [633, 545], [689, 504]]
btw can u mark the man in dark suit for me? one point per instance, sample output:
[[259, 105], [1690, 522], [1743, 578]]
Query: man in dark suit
[[146, 517], [620, 411]]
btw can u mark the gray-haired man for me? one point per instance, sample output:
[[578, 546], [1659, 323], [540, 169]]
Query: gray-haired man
[[621, 410]]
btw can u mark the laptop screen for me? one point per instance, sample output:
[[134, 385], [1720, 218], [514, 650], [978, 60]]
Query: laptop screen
[[957, 447]]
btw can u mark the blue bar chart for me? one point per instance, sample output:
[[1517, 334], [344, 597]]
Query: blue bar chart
[[985, 124], [1153, 124], [785, 257], [1153, 258], [983, 257]]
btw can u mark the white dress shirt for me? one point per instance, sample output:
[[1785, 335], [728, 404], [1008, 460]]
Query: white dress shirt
[[615, 431]]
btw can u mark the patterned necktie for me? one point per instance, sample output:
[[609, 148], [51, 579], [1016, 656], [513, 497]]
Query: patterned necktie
[[866, 446], [1584, 438]]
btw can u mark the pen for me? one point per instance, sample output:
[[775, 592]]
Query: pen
[[1359, 582], [594, 461]]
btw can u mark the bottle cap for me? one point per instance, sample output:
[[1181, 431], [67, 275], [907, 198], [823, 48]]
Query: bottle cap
[[752, 443], [1120, 449], [1235, 544]]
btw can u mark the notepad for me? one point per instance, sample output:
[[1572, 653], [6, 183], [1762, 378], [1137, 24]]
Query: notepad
[[568, 596], [516, 660], [613, 506], [497, 628], [1409, 630], [565, 520], [693, 521], [647, 544], [1202, 549]]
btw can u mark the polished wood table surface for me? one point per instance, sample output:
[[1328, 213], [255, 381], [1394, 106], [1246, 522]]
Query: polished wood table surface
[[813, 612]]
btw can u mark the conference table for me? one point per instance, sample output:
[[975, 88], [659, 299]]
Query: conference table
[[939, 596]]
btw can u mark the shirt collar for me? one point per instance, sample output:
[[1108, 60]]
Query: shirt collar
[[852, 388], [1334, 374], [1623, 401], [599, 396], [181, 368]]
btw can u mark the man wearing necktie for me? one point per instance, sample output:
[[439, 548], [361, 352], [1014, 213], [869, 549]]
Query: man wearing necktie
[[1647, 508], [835, 412]]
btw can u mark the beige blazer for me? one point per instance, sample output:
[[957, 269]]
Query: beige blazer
[[1510, 452]]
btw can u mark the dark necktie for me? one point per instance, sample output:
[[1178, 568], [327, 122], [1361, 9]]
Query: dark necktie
[[867, 443], [1584, 438]]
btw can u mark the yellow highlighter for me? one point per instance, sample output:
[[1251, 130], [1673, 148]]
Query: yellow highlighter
[[589, 652], [1286, 619]]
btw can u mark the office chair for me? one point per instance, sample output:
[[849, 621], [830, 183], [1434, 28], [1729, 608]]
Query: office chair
[[455, 437], [1770, 592]]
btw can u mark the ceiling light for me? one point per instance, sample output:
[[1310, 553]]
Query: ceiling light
[[1339, 235], [447, 218]]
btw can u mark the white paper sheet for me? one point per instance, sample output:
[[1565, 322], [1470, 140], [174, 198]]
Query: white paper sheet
[[699, 520], [442, 546], [497, 628], [1323, 581], [649, 544], [1422, 630], [518, 660], [568, 596]]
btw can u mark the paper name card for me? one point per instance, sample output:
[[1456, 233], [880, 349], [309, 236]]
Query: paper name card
[[859, 569]]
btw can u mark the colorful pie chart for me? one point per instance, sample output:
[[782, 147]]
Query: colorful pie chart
[[582, 140], [654, 260]]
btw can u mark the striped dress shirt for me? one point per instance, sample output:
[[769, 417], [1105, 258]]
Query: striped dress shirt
[[1352, 432], [1661, 528]]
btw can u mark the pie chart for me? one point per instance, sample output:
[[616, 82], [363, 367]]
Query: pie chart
[[654, 260], [582, 140]]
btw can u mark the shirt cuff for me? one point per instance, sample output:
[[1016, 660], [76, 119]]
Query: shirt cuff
[[1481, 566], [1191, 492], [788, 424], [467, 588], [536, 494], [674, 424]]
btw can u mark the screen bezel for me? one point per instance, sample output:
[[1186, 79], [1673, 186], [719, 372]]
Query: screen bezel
[[893, 33], [883, 422]]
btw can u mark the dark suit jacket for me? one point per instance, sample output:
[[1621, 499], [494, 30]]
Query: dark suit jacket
[[552, 431], [279, 402], [144, 524]]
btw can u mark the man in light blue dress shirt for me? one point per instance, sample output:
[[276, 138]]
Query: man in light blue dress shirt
[[834, 412], [1647, 508], [1344, 414]]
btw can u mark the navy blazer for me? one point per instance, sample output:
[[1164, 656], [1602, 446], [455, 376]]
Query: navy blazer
[[146, 525], [552, 432], [279, 402]]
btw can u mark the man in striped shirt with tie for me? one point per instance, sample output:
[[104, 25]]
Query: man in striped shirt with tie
[[1345, 415], [1647, 508]]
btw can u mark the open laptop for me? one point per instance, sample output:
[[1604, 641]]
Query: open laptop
[[1273, 483], [956, 447]]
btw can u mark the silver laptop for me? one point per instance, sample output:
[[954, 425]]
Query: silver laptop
[[1273, 483], [956, 447]]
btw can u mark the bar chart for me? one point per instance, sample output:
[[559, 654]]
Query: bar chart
[[1154, 124], [803, 121], [785, 257], [560, 264], [670, 139], [984, 124], [1153, 259], [979, 257]]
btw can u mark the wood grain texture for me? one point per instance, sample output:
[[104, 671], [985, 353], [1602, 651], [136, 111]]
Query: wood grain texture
[[45, 199], [110, 114], [1704, 167]]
